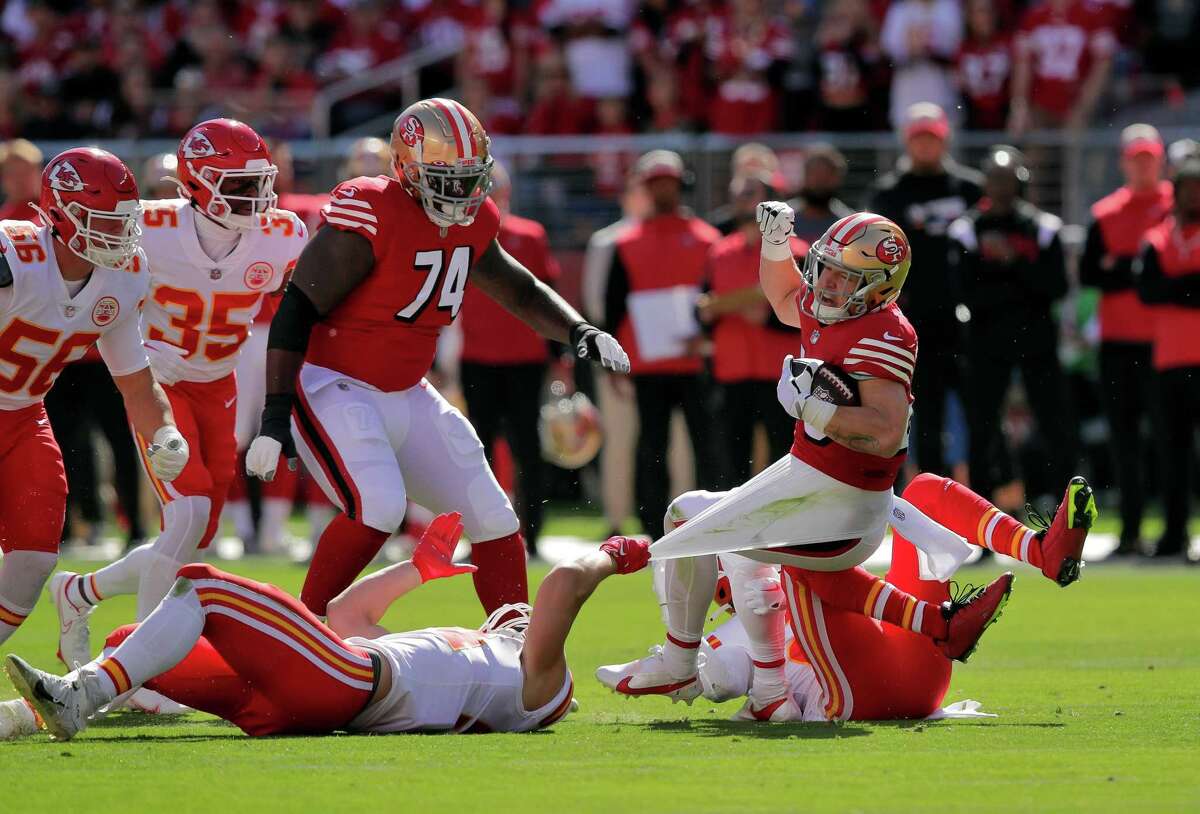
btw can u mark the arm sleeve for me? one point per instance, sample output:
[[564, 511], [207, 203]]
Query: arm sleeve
[[293, 322], [616, 293], [121, 346]]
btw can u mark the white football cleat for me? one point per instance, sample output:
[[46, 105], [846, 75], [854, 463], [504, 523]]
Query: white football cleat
[[153, 703], [17, 719], [649, 676], [74, 634], [776, 710], [64, 702]]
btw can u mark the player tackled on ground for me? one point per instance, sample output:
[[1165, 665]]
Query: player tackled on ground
[[73, 281], [356, 333], [255, 656]]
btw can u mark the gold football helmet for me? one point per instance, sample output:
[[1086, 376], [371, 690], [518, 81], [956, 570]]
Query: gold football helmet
[[442, 155], [859, 265]]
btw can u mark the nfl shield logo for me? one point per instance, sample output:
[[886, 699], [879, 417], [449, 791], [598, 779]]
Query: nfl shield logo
[[68, 311], [215, 274], [812, 340]]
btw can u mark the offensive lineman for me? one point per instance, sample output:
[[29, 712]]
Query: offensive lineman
[[825, 506], [356, 333], [76, 282], [255, 656], [214, 254]]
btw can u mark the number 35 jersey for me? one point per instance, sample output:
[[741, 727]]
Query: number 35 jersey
[[385, 332], [43, 328], [205, 306]]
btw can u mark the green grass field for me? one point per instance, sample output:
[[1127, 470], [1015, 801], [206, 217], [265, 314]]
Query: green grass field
[[1097, 688]]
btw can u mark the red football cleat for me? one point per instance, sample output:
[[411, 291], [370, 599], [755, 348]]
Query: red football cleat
[[1062, 538], [970, 613]]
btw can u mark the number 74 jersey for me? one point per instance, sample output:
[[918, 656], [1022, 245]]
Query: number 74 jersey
[[385, 332], [204, 306]]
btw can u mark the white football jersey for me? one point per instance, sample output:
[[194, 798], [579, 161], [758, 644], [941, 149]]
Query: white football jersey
[[43, 328], [454, 680], [204, 306]]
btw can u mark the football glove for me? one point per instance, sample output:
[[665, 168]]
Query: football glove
[[274, 438], [166, 361], [167, 453], [794, 392], [775, 221], [433, 555], [628, 554], [595, 345]]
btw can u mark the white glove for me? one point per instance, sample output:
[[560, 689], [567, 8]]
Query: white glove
[[263, 457], [775, 221], [595, 345], [766, 596], [794, 391], [168, 453], [166, 361]]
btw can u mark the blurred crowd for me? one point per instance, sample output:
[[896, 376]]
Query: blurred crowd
[[96, 68]]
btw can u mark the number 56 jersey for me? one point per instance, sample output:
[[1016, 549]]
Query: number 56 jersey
[[385, 332], [205, 306]]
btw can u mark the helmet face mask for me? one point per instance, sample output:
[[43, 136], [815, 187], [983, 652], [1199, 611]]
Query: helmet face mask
[[452, 195], [856, 267], [105, 239], [224, 167], [240, 211]]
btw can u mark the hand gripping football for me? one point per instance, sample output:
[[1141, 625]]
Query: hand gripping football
[[834, 385]]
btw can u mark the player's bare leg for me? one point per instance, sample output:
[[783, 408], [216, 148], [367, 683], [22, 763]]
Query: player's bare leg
[[1056, 549]]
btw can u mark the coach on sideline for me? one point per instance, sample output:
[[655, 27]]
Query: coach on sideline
[[656, 274]]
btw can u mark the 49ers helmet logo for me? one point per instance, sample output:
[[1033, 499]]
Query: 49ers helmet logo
[[65, 178], [412, 131], [890, 250], [105, 311], [198, 146]]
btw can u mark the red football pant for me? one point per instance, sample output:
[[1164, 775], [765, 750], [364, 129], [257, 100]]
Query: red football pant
[[33, 495], [264, 662], [205, 413], [869, 670]]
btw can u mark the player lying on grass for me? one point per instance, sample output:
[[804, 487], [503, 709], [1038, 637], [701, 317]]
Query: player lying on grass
[[836, 615], [255, 656]]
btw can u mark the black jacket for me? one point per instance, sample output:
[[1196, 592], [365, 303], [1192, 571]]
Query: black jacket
[[924, 206]]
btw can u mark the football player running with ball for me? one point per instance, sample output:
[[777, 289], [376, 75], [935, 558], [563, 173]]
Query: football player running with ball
[[356, 333], [73, 281], [825, 506], [213, 254]]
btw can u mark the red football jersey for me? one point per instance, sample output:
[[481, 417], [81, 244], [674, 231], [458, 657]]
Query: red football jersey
[[385, 332], [1062, 47], [880, 345], [983, 72], [491, 335]]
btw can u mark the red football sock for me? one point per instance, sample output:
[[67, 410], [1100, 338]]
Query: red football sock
[[859, 591], [501, 578], [346, 547], [971, 516]]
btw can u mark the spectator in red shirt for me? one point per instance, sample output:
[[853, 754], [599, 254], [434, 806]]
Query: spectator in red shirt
[[504, 362], [556, 110], [746, 47], [749, 343], [848, 68], [984, 65], [20, 179], [366, 38], [1063, 55]]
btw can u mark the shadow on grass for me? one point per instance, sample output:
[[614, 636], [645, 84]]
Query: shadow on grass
[[708, 728]]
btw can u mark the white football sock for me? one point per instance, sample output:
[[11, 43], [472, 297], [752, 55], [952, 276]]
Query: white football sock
[[184, 522], [22, 575], [275, 514], [690, 584], [118, 578], [758, 597], [161, 640]]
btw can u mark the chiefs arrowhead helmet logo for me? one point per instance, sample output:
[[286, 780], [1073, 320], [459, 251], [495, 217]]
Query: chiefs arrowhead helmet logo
[[412, 131], [65, 178], [891, 251], [198, 146]]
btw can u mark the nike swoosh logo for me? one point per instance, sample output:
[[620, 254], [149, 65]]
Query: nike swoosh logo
[[229, 403], [664, 689], [887, 335]]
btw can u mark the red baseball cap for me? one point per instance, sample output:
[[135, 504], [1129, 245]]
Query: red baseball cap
[[926, 117], [1141, 138]]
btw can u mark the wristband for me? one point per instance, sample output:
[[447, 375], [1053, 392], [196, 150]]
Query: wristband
[[817, 413], [777, 251]]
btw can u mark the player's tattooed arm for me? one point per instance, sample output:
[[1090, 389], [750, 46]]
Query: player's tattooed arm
[[499, 275], [877, 427]]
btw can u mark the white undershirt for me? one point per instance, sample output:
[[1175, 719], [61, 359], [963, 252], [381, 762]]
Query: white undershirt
[[216, 240], [75, 286]]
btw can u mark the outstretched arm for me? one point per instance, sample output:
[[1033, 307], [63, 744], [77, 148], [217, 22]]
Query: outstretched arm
[[778, 273], [559, 599], [357, 610], [539, 306]]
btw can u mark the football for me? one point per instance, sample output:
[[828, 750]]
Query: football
[[833, 384]]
